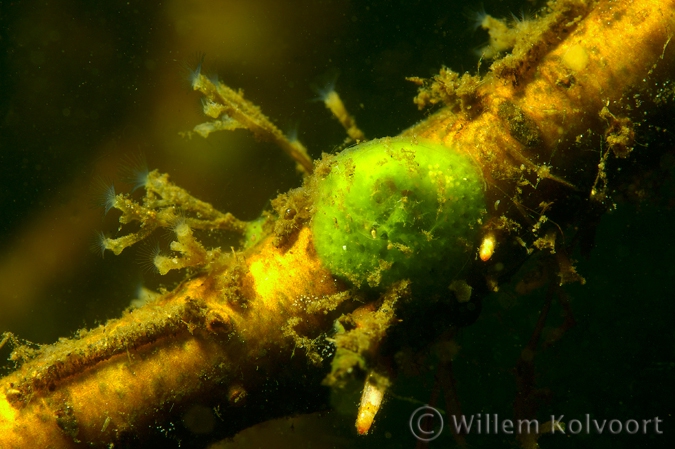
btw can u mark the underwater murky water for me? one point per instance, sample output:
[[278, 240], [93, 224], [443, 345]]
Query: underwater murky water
[[83, 86]]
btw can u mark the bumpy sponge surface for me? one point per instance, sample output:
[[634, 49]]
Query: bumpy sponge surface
[[398, 208]]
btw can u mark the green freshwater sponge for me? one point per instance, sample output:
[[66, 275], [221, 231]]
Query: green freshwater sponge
[[398, 208]]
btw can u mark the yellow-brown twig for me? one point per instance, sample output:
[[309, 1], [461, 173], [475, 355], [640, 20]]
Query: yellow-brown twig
[[334, 103], [231, 111], [98, 387]]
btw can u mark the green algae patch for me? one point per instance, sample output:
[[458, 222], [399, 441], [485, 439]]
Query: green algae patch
[[398, 208]]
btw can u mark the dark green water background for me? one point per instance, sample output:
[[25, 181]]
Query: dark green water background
[[63, 96]]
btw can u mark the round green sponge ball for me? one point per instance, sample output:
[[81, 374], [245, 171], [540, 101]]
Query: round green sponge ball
[[398, 208]]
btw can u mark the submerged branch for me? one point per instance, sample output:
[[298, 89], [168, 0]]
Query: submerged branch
[[231, 111], [232, 330]]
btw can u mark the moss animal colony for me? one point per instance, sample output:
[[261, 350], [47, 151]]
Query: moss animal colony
[[528, 143], [395, 209]]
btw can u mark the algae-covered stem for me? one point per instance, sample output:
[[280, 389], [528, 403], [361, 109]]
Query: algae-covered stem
[[205, 339], [542, 123], [223, 333]]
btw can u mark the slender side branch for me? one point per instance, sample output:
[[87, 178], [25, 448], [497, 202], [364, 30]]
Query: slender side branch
[[232, 111], [166, 205], [334, 103]]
